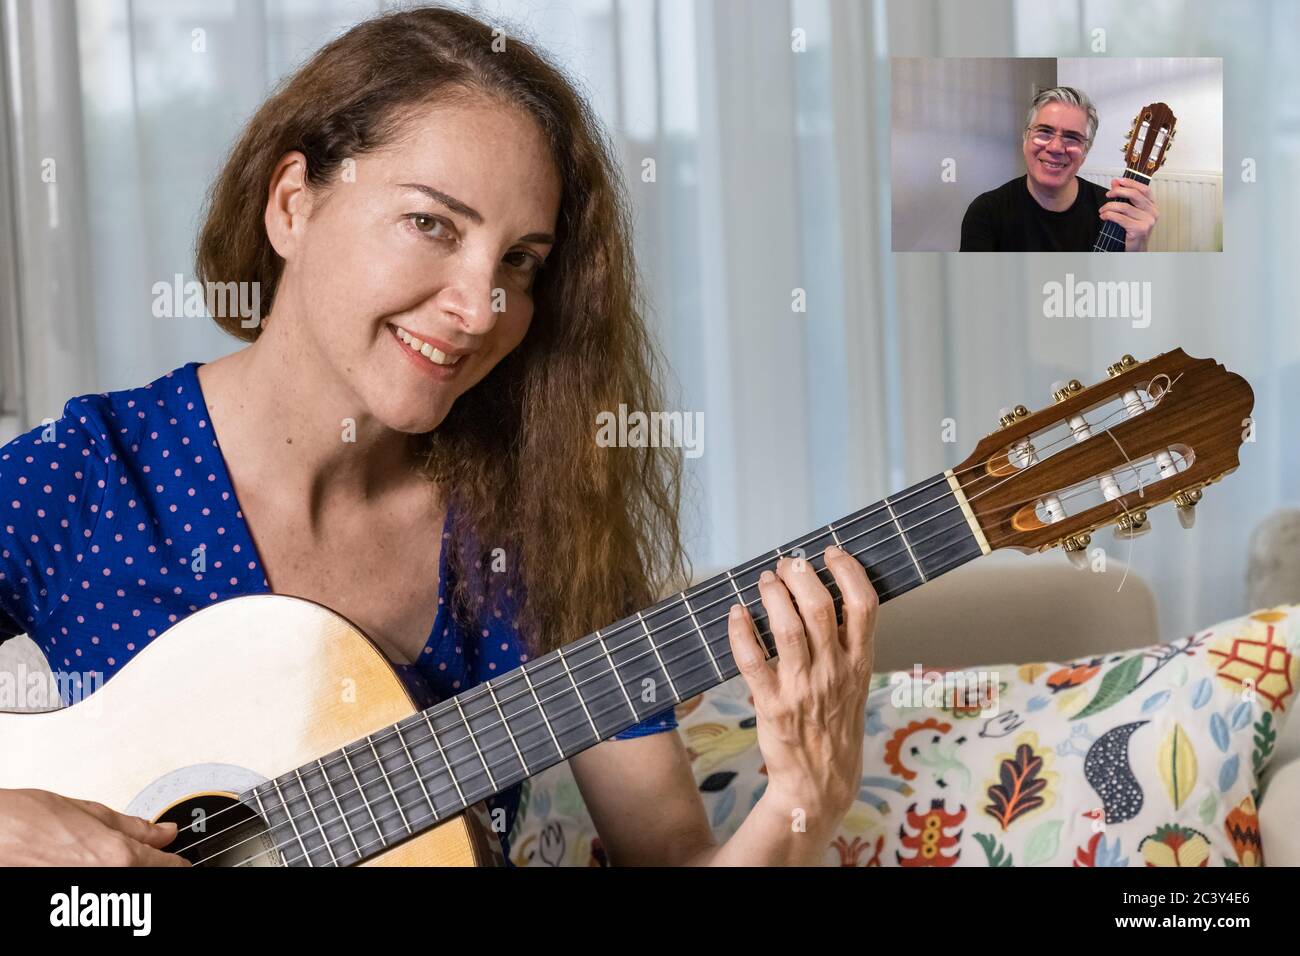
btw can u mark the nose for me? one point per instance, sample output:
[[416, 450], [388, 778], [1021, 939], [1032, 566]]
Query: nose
[[468, 297]]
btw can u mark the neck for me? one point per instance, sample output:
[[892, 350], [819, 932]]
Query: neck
[[1112, 238], [358, 801], [1056, 200], [282, 416]]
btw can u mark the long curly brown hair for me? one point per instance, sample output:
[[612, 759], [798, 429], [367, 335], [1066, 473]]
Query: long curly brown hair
[[589, 534]]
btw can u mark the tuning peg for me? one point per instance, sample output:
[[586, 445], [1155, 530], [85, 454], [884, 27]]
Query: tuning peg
[[1010, 416], [1134, 524], [1123, 365], [1186, 502], [1076, 549], [1063, 390]]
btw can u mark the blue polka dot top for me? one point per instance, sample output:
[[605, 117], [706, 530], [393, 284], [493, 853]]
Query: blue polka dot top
[[120, 519]]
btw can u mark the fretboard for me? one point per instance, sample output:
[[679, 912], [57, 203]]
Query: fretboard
[[402, 779], [1111, 237]]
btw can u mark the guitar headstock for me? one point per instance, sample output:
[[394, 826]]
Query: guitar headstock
[[1150, 139], [1152, 432]]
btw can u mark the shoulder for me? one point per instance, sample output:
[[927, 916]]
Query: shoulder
[[101, 426], [1093, 193], [1006, 193]]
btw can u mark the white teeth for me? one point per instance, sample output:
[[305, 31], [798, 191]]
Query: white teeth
[[436, 356]]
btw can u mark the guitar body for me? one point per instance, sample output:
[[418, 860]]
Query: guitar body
[[229, 697]]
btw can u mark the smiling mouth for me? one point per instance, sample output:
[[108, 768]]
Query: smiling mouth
[[419, 347], [1054, 166]]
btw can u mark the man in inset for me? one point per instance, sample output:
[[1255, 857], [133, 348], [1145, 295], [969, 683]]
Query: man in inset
[[1051, 209]]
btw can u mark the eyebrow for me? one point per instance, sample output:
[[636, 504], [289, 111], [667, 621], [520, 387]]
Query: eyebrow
[[473, 215]]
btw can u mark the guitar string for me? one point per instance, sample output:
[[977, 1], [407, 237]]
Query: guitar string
[[342, 816], [1108, 228], [335, 763], [341, 819]]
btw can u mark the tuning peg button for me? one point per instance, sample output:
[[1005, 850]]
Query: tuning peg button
[[1186, 502]]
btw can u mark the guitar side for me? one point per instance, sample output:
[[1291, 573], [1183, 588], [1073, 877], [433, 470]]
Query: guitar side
[[239, 692]]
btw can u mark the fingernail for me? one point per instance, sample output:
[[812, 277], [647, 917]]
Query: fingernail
[[834, 549], [767, 577]]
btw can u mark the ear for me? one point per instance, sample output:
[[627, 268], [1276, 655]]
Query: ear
[[288, 204]]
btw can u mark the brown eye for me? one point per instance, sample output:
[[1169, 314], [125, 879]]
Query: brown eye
[[427, 224]]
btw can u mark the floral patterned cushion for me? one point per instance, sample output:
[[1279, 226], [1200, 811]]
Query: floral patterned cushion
[[1146, 757]]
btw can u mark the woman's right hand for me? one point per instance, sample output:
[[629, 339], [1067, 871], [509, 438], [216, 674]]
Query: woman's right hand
[[39, 828]]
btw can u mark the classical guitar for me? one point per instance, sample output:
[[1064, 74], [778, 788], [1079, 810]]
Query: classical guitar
[[1149, 141], [274, 733]]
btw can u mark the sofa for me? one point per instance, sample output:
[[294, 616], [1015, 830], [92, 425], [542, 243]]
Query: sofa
[[1208, 768]]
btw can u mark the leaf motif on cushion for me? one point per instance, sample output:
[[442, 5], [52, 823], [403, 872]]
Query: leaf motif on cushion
[[1022, 785], [1115, 686], [1176, 760]]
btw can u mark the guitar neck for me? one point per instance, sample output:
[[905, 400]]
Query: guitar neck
[[434, 764], [1111, 237]]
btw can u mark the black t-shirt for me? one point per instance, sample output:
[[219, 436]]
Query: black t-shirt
[[1009, 219]]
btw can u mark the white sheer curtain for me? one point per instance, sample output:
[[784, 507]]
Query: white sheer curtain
[[768, 121], [975, 336]]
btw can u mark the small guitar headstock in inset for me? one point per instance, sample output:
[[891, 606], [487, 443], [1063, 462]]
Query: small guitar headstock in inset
[[1150, 139], [1153, 432]]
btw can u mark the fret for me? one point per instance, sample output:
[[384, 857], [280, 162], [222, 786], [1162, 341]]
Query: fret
[[605, 650], [268, 815], [365, 798], [937, 525], [872, 538], [524, 720], [571, 724], [650, 639], [745, 578], [542, 710], [383, 773], [414, 771], [577, 692], [506, 726], [906, 543], [356, 848], [311, 806], [695, 623], [636, 662], [498, 754], [603, 697], [351, 800], [460, 752], [712, 599], [435, 769], [289, 813], [679, 648], [474, 741]]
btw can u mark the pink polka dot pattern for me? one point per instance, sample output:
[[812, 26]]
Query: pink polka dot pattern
[[120, 519]]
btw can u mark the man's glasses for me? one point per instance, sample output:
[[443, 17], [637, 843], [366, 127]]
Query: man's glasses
[[1043, 136]]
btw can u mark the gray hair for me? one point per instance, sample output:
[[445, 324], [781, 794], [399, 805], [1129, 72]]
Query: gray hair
[[1069, 96]]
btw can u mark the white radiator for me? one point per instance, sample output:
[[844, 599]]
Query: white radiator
[[1191, 209]]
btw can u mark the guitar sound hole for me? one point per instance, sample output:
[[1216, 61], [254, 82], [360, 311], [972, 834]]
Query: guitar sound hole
[[215, 829]]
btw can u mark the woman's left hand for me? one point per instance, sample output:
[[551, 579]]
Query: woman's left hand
[[811, 706]]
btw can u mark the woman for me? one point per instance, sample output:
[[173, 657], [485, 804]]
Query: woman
[[437, 226]]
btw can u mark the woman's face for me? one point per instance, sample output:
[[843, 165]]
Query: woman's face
[[412, 275]]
